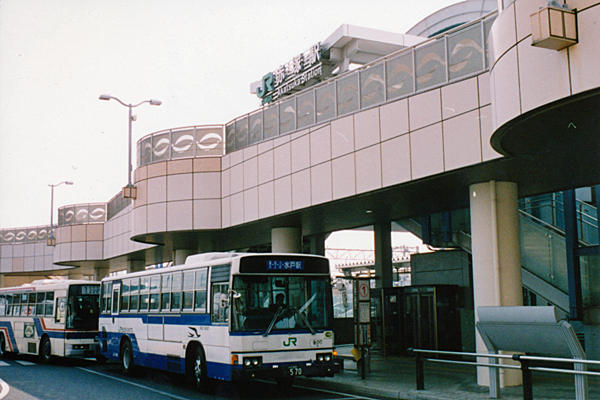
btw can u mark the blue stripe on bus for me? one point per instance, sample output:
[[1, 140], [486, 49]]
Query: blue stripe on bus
[[178, 319], [7, 327], [54, 334]]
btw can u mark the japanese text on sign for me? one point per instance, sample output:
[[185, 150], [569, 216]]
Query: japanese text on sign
[[285, 265]]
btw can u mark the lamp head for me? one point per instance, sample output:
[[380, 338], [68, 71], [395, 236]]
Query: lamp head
[[68, 183], [154, 102], [104, 97]]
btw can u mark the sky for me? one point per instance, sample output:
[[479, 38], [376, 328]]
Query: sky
[[198, 57]]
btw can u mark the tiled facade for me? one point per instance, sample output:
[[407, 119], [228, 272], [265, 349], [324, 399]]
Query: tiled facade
[[428, 134]]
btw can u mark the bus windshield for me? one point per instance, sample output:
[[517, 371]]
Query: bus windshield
[[268, 303], [82, 308]]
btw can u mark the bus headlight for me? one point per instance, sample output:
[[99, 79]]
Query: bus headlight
[[324, 357], [252, 362]]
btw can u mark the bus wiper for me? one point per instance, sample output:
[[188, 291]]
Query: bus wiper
[[305, 320], [280, 311]]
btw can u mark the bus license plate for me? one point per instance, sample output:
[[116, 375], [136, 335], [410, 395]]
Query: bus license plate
[[294, 371]]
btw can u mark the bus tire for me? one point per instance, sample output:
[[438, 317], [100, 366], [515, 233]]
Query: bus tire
[[2, 346], [45, 351], [127, 358], [195, 368]]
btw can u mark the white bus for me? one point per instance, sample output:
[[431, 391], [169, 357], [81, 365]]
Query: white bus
[[50, 318], [223, 316]]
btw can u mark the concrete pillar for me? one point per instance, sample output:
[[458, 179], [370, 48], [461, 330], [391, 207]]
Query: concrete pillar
[[180, 255], [317, 244], [383, 255], [101, 272], [76, 274], [1, 280], [135, 266], [286, 240], [496, 257]]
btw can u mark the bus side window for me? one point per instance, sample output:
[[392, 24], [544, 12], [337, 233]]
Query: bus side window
[[200, 291], [61, 310], [220, 305], [2, 304], [49, 304], [106, 296], [144, 288], [9, 304], [39, 307], [154, 292]]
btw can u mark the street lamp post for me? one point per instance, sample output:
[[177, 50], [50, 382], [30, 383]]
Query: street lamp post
[[130, 191], [51, 239]]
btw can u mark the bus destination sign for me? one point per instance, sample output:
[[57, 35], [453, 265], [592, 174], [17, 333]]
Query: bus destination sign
[[278, 265]]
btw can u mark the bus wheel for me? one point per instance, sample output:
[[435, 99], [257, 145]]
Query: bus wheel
[[45, 350], [2, 346], [127, 358], [196, 369]]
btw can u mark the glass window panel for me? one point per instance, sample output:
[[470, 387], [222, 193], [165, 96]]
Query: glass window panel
[[41, 297], [176, 285], [431, 65], [372, 86], [144, 284], [17, 299], [188, 300], [306, 109], [32, 298], [125, 286], [271, 122], [124, 303], [209, 141], [82, 214], [154, 301], [133, 302], [175, 301], [465, 52], [287, 116], [182, 143], [255, 128], [161, 147], [188, 280], [325, 102], [487, 26], [39, 309], [230, 137], [165, 301], [146, 151], [24, 298], [154, 283], [201, 279], [200, 301], [347, 94], [144, 301], [166, 283], [399, 76], [241, 133]]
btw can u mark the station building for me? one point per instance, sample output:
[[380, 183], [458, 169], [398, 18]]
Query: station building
[[477, 130]]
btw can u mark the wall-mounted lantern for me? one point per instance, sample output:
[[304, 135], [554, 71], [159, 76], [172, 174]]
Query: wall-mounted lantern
[[554, 27]]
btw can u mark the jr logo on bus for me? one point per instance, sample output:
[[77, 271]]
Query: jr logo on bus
[[290, 341]]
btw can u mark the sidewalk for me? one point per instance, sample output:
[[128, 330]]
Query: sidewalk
[[394, 378]]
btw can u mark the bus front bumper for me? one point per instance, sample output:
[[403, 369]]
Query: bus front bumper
[[274, 371], [82, 350]]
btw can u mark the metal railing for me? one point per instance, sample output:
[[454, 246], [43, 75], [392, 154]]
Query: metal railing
[[455, 55], [30, 234], [528, 364], [177, 143]]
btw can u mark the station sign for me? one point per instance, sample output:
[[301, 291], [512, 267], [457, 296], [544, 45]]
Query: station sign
[[298, 71]]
